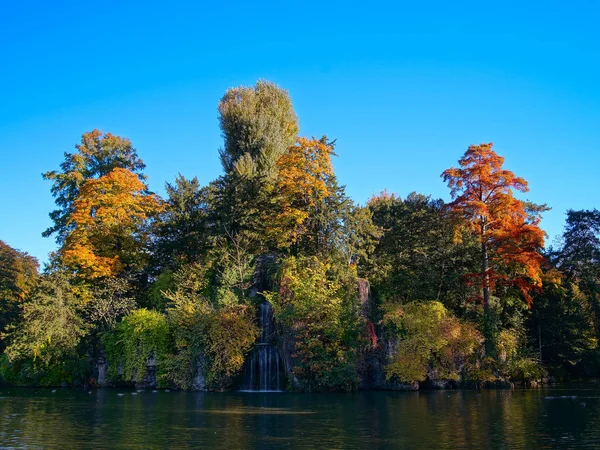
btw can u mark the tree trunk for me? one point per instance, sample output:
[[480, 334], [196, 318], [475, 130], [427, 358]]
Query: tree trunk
[[487, 319], [540, 338]]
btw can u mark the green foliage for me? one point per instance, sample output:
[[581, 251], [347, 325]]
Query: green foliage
[[139, 337], [525, 369], [431, 342], [562, 322], [52, 327], [183, 229], [421, 254], [229, 334], [314, 305], [215, 327], [46, 344], [258, 125], [29, 372], [200, 261], [107, 301]]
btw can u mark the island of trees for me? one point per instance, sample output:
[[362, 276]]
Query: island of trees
[[166, 292]]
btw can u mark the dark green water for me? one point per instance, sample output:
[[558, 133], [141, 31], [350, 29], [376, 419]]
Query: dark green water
[[70, 419]]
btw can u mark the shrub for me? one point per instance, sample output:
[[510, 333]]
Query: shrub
[[141, 335], [431, 342]]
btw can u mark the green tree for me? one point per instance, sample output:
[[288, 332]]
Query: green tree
[[562, 325], [184, 229], [579, 256], [431, 342], [142, 335], [258, 125], [48, 338], [419, 254]]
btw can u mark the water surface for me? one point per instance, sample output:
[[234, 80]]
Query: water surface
[[557, 417]]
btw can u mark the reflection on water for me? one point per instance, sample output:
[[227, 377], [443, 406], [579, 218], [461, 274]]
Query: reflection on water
[[561, 417]]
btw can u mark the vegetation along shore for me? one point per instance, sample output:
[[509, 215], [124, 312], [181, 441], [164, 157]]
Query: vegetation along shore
[[271, 278]]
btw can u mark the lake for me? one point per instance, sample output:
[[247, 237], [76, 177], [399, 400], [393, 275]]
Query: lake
[[556, 417]]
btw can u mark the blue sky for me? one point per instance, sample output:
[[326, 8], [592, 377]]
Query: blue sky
[[404, 87]]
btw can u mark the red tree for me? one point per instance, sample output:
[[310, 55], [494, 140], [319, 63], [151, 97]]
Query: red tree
[[510, 237]]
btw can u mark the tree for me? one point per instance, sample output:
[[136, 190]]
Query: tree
[[212, 318], [418, 256], [52, 326], [109, 225], [97, 155], [579, 255], [510, 238], [578, 259], [562, 323], [303, 184], [258, 125], [18, 276], [183, 230], [432, 342]]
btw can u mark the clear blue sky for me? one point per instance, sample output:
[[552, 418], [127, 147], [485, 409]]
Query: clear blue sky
[[405, 87]]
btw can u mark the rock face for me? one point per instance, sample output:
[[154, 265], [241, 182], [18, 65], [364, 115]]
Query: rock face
[[364, 296], [101, 372], [372, 360], [199, 381], [148, 381]]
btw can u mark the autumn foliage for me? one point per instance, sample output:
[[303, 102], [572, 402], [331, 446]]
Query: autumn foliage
[[303, 174], [511, 239], [109, 219], [407, 287]]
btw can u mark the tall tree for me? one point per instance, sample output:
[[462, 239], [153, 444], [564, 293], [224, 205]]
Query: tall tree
[[110, 225], [258, 125], [579, 256], [52, 326], [511, 239], [96, 156]]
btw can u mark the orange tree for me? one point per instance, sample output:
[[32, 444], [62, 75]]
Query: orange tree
[[510, 236], [97, 155], [304, 172], [109, 225]]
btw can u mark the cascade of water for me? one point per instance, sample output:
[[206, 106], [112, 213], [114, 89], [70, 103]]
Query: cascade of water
[[262, 371]]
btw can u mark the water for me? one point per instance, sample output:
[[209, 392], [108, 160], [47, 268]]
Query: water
[[263, 370], [563, 417]]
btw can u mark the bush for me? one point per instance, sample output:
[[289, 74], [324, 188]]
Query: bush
[[141, 335], [220, 330], [431, 343], [525, 369]]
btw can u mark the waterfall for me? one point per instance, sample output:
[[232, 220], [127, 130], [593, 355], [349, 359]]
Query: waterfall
[[263, 368]]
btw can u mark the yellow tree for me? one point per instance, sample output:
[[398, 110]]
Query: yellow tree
[[109, 225], [510, 237], [304, 172]]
